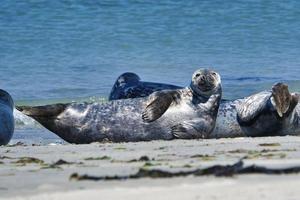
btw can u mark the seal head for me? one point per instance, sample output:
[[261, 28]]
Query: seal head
[[205, 82]]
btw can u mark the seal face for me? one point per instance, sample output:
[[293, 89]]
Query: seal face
[[6, 117], [274, 112], [183, 113]]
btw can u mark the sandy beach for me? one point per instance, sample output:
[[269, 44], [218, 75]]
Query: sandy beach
[[44, 172]]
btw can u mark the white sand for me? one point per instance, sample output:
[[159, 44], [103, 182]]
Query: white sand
[[32, 181]]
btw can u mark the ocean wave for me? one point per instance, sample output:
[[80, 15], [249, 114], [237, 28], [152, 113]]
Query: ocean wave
[[24, 122]]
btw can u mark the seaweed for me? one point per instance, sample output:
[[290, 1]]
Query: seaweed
[[58, 163], [98, 158], [150, 164], [5, 157], [17, 144], [269, 144], [120, 148], [141, 159], [216, 170], [28, 160], [204, 157]]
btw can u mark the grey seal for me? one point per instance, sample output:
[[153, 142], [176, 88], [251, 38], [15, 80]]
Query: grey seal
[[268, 113], [7, 123], [184, 113], [129, 85]]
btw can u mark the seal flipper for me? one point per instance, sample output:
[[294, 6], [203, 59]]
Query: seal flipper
[[45, 115], [47, 111], [158, 104], [192, 129], [281, 98], [252, 106]]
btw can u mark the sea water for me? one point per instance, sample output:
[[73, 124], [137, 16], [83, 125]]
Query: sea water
[[73, 50]]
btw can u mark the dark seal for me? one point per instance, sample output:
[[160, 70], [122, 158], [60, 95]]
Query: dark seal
[[267, 113], [7, 123], [183, 113]]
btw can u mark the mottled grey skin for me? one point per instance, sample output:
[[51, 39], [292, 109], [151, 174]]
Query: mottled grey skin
[[185, 113], [7, 123], [257, 115], [128, 85]]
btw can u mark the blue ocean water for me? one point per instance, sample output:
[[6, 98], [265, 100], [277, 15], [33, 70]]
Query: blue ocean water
[[65, 50]]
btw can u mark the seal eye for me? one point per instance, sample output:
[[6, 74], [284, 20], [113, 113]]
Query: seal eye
[[214, 73], [197, 75]]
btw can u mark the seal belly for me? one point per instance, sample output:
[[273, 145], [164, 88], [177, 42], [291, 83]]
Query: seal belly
[[226, 122], [116, 121]]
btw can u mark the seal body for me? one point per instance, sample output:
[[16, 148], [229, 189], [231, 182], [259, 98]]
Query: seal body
[[128, 85], [6, 117], [256, 115], [185, 113]]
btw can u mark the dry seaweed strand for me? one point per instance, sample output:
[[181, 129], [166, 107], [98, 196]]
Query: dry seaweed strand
[[216, 170]]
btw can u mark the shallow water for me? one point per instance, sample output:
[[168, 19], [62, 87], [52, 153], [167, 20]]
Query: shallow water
[[61, 51]]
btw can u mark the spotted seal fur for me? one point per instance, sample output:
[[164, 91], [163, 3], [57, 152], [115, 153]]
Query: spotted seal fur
[[267, 113], [185, 113]]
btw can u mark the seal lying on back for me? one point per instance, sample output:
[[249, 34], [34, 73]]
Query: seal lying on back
[[267, 113], [7, 123], [184, 113]]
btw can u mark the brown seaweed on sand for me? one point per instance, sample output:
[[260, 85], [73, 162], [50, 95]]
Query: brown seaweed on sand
[[216, 170]]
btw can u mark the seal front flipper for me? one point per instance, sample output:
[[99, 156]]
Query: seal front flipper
[[192, 129], [282, 99], [157, 105], [252, 106]]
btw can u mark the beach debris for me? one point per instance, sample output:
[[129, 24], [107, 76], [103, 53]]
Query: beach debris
[[150, 164], [5, 157], [58, 163], [265, 153], [270, 144], [162, 148], [216, 170], [63, 162], [120, 148], [204, 157], [98, 158], [141, 159], [17, 144], [28, 160]]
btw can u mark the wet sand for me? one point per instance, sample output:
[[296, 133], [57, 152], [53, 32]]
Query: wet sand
[[43, 172]]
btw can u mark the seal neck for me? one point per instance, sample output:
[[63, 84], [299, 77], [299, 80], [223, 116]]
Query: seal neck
[[204, 96]]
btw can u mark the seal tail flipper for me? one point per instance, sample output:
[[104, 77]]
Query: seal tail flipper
[[123, 82], [47, 111]]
